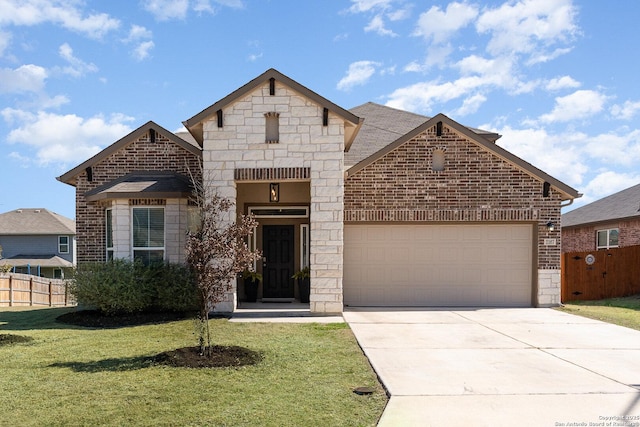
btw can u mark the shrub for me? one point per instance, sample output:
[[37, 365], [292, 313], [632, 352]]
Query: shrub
[[123, 286]]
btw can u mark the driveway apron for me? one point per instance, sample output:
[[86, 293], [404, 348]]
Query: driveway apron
[[495, 367]]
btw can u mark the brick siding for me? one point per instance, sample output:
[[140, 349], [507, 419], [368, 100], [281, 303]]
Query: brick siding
[[475, 186], [583, 238], [140, 155]]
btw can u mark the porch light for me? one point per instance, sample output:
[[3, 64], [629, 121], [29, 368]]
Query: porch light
[[274, 192], [551, 226]]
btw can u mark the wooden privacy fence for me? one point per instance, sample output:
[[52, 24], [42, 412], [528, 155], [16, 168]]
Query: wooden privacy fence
[[600, 274], [27, 290]]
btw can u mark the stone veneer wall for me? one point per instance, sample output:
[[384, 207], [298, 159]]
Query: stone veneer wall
[[140, 155], [475, 186], [303, 143]]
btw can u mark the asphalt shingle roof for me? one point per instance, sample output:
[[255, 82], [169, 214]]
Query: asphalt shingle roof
[[623, 204], [33, 221]]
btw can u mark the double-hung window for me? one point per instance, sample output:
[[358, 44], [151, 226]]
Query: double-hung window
[[148, 234], [63, 244], [606, 239]]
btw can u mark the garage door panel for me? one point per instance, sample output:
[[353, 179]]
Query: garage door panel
[[438, 265]]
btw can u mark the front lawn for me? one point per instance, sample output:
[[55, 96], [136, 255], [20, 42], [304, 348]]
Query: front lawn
[[620, 311], [70, 375]]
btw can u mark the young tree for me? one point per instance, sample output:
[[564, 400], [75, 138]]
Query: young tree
[[216, 251]]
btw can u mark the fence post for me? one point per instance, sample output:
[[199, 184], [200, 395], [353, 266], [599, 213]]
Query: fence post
[[10, 291], [50, 294], [30, 290]]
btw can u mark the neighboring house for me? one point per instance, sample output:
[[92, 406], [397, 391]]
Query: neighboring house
[[38, 242], [385, 206], [611, 222]]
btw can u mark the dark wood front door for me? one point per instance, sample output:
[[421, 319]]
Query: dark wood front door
[[277, 267]]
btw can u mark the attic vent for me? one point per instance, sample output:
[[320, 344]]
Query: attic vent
[[152, 135], [439, 129], [219, 114], [272, 127], [545, 189], [37, 210], [89, 172], [272, 86], [325, 117]]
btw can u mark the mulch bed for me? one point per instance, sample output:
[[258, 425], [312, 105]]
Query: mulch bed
[[221, 357], [186, 357]]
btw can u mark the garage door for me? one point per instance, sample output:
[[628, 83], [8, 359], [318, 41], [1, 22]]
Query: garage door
[[438, 265]]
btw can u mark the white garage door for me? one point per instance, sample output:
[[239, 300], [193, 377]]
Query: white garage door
[[438, 265]]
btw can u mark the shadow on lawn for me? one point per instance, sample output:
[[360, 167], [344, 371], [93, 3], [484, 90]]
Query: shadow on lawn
[[117, 364], [27, 318]]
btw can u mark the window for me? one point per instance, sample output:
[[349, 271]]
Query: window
[[148, 234], [63, 244], [272, 128], [57, 273], [606, 239], [109, 233]]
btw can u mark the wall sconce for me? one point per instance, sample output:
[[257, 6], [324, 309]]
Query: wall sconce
[[274, 192], [551, 226]]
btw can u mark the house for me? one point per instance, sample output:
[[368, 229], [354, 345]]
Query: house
[[38, 242], [388, 208], [611, 222]]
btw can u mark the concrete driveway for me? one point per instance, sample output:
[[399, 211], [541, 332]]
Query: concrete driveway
[[499, 367]]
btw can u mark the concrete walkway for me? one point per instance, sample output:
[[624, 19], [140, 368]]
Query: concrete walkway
[[501, 367]]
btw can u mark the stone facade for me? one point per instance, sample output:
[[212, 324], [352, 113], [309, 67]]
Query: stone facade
[[139, 155], [475, 186], [241, 144]]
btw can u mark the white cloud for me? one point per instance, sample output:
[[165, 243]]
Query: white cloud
[[615, 148], [138, 32], [359, 73], [527, 26], [60, 12], [76, 67], [359, 6], [141, 51], [578, 105], [470, 105], [563, 82], [141, 37], [164, 10], [625, 111], [377, 26], [557, 154], [75, 138], [607, 183], [438, 26], [26, 78]]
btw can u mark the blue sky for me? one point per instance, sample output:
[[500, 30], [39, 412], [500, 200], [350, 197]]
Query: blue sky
[[557, 78]]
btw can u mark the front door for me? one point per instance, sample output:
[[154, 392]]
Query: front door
[[277, 266]]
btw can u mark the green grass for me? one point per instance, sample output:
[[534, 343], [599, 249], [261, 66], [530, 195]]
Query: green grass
[[619, 311], [77, 376]]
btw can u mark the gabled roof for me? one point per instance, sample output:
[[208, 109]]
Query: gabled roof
[[35, 221], [621, 205], [352, 122], [383, 125], [142, 185], [70, 177], [477, 137]]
